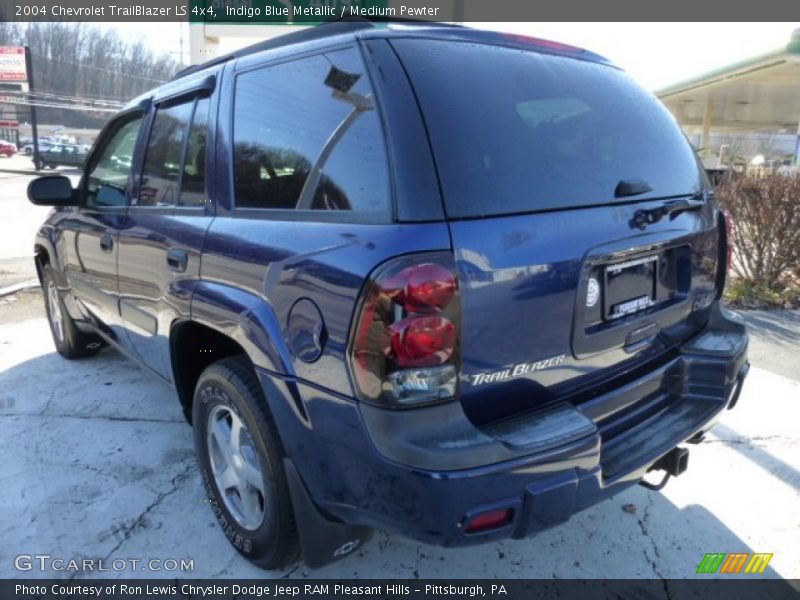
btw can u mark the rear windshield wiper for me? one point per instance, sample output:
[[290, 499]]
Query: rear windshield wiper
[[646, 216]]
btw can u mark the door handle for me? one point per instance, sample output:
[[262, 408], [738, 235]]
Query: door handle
[[177, 259], [107, 243]]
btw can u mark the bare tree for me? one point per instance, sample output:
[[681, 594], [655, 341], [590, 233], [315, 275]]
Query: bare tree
[[77, 60], [734, 152], [767, 143], [765, 214]]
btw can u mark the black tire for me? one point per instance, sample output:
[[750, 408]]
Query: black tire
[[231, 385], [69, 341]]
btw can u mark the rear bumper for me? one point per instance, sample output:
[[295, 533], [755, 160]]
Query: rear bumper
[[423, 473]]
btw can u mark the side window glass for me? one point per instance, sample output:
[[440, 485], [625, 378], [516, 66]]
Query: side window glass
[[107, 181], [355, 176], [162, 159], [307, 135], [193, 182]]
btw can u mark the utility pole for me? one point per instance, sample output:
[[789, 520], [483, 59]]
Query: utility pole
[[34, 126]]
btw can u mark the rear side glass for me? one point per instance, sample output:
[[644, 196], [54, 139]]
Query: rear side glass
[[193, 182], [355, 176], [518, 131], [163, 156], [307, 136]]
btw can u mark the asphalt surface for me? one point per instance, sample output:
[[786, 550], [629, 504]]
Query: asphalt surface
[[99, 463]]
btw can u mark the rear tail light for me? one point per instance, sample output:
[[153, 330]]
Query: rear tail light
[[404, 346]]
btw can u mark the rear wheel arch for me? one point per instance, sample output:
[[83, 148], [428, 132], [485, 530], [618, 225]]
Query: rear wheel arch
[[193, 347]]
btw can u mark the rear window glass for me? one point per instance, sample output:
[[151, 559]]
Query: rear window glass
[[518, 131]]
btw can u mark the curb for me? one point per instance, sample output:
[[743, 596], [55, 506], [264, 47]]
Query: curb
[[20, 172], [33, 173], [18, 287]]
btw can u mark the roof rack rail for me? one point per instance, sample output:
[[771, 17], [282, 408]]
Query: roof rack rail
[[326, 29]]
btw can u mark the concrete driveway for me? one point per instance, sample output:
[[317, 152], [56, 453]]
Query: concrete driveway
[[98, 463]]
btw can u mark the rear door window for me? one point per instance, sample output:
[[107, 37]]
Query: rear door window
[[175, 157], [193, 182], [307, 136], [518, 131], [162, 159]]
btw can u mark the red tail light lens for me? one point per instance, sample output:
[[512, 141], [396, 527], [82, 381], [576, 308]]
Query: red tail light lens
[[426, 287], [423, 341], [404, 349]]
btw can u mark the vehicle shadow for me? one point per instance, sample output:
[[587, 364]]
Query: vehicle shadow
[[99, 463], [777, 325]]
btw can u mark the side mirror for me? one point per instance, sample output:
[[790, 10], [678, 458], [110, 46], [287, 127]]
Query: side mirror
[[52, 190]]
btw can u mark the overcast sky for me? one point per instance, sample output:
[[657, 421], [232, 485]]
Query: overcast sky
[[656, 54]]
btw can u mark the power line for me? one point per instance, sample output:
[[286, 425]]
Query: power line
[[62, 106], [117, 99], [104, 70], [48, 97]]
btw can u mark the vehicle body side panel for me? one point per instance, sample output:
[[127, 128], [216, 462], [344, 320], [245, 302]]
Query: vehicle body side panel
[[153, 296], [91, 271], [327, 263], [279, 258]]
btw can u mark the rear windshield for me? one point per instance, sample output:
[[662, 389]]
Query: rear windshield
[[517, 131]]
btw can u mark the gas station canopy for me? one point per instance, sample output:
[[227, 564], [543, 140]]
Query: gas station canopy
[[758, 94]]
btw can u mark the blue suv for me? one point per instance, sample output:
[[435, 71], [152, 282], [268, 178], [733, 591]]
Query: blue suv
[[449, 283]]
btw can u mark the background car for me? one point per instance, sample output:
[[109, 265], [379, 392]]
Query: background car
[[68, 155], [7, 148], [27, 149]]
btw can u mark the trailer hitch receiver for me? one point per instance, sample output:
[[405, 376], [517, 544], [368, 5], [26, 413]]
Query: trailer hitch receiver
[[674, 462]]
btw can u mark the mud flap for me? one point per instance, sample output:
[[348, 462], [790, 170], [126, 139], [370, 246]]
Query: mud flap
[[322, 541]]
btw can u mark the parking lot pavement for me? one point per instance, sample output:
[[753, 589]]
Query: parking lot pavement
[[99, 464]]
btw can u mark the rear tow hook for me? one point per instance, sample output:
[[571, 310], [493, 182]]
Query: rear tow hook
[[672, 463]]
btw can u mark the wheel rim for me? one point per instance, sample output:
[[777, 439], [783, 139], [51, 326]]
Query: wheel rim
[[56, 317], [236, 467]]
